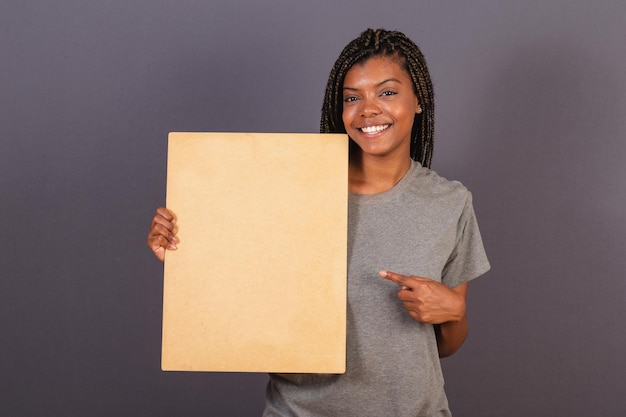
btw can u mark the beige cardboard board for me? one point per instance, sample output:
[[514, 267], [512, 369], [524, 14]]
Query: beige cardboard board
[[258, 282]]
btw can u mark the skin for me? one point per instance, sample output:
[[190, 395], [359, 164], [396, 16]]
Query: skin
[[378, 93], [378, 97], [162, 234]]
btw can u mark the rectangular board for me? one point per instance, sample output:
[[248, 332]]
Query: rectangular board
[[258, 282]]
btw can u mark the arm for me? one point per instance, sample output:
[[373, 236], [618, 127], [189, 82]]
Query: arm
[[428, 301], [452, 334]]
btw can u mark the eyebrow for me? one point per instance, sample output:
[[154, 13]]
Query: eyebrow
[[377, 85]]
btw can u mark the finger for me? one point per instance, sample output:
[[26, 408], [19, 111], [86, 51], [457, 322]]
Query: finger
[[159, 253], [157, 241], [160, 230], [407, 295], [166, 214], [164, 217], [394, 277], [158, 219], [164, 227]]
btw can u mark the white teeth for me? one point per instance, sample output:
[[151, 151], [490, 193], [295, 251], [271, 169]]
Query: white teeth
[[374, 129]]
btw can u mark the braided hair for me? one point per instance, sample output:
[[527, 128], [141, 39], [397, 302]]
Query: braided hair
[[381, 42]]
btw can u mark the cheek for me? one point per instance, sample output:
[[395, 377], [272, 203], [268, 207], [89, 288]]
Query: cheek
[[346, 118], [408, 111]]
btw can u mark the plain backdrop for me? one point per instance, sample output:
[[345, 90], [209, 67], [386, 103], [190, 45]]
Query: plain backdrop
[[531, 105]]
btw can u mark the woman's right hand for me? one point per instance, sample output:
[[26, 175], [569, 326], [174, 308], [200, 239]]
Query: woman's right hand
[[162, 234]]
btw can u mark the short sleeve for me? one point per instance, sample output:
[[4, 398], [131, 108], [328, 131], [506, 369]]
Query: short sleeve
[[468, 259]]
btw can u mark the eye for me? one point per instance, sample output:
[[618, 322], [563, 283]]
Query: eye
[[349, 99], [388, 93]]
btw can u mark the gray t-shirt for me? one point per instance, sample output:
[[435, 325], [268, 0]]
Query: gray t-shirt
[[424, 226]]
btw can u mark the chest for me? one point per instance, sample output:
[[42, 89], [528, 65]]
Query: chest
[[415, 239]]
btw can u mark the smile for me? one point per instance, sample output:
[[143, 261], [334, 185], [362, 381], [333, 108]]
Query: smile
[[374, 129]]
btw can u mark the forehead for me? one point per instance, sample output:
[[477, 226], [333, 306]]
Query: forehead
[[377, 69]]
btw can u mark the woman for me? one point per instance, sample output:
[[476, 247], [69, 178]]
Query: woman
[[413, 243]]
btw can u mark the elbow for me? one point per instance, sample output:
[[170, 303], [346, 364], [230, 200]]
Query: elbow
[[447, 351]]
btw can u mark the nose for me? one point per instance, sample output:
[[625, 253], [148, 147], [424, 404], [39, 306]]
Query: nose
[[369, 107]]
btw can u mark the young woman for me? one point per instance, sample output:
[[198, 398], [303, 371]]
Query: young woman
[[413, 243]]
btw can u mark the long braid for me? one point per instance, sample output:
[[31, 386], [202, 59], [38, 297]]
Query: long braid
[[381, 42]]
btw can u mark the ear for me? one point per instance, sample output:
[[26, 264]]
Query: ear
[[418, 108]]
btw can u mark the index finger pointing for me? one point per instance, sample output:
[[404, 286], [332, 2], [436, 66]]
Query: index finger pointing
[[392, 276]]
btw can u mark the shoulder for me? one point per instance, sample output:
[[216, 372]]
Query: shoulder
[[429, 183]]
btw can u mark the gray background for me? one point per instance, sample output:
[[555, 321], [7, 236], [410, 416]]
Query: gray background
[[531, 100]]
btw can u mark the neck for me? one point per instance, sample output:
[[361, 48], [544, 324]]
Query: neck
[[372, 175]]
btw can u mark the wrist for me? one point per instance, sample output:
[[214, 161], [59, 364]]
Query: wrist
[[458, 309]]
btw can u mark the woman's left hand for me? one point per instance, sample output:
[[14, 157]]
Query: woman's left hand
[[429, 301]]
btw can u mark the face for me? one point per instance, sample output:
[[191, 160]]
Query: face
[[379, 107]]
